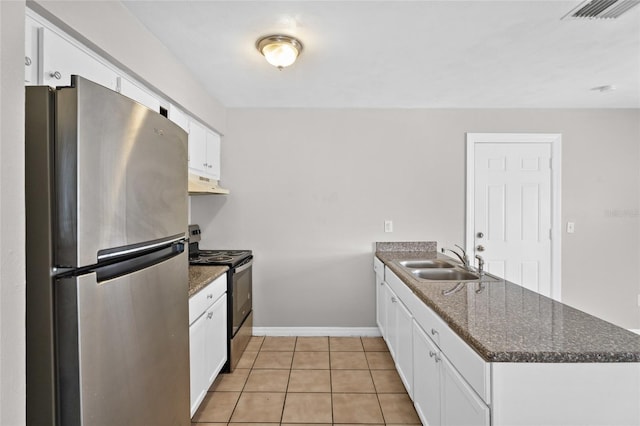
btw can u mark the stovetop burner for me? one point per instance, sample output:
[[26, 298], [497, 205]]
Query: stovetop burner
[[212, 257]]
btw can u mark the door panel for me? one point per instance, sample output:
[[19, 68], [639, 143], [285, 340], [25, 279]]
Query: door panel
[[513, 211], [131, 343], [461, 406], [122, 175], [426, 377]]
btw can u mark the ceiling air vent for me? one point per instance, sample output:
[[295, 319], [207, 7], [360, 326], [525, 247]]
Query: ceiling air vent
[[601, 9]]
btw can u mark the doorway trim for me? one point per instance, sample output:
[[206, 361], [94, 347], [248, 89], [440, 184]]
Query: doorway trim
[[555, 140]]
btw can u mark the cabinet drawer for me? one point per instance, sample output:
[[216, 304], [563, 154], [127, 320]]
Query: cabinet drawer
[[201, 301], [378, 267]]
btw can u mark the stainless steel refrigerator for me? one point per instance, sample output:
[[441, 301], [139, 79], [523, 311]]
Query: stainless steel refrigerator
[[107, 277]]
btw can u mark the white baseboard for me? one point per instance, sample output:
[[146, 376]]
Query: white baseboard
[[635, 331], [317, 331]]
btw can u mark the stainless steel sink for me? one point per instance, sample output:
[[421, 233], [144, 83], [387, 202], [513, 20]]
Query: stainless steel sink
[[445, 274], [427, 263]]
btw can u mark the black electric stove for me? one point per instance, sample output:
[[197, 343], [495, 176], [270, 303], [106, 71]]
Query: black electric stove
[[198, 256]]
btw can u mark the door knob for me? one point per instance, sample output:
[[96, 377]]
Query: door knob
[[480, 235], [480, 248]]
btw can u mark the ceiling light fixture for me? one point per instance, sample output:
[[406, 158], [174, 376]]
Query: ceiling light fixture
[[279, 50]]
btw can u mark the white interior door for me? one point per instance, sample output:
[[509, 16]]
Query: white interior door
[[512, 223]]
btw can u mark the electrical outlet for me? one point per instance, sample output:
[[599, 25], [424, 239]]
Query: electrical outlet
[[388, 226]]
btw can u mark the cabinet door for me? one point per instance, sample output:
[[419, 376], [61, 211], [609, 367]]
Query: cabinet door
[[139, 95], [60, 59], [404, 345], [216, 345], [460, 404], [213, 154], [426, 377], [197, 147], [179, 117], [197, 361], [380, 304], [31, 52], [390, 319]]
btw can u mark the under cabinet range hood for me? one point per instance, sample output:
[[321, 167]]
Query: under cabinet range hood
[[201, 185]]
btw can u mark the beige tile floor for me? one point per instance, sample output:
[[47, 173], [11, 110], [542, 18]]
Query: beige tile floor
[[298, 380]]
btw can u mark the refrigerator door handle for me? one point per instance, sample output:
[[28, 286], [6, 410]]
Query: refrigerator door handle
[[134, 250]]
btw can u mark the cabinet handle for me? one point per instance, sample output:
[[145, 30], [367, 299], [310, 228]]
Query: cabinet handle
[[434, 332], [56, 75], [210, 166], [434, 355], [27, 60], [394, 300], [205, 164], [209, 296], [209, 315]]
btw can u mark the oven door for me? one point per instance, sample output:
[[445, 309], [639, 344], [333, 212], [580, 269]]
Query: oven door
[[242, 289]]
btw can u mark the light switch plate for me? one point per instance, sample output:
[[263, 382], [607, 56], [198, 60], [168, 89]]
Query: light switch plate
[[388, 226], [571, 227]]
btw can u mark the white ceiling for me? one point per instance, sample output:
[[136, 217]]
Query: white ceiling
[[404, 54]]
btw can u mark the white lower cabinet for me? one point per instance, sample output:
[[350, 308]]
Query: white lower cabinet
[[426, 378], [378, 268], [404, 345], [396, 321], [207, 338], [442, 375], [440, 394], [460, 405]]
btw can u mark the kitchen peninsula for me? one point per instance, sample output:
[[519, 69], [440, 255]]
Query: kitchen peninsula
[[491, 352]]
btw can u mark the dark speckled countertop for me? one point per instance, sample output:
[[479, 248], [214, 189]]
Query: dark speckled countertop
[[200, 276], [505, 322]]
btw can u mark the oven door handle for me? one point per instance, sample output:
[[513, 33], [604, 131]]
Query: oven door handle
[[244, 267]]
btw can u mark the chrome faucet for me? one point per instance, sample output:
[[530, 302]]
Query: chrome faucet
[[480, 264], [463, 258]]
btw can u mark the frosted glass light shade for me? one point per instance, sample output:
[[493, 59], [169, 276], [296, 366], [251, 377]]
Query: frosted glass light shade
[[279, 50]]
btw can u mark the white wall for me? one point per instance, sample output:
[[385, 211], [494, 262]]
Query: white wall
[[312, 188], [12, 263], [111, 30]]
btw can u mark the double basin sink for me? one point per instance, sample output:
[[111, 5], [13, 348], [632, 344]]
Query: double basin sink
[[439, 270]]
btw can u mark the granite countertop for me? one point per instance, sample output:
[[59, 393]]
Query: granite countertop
[[504, 322], [200, 276]]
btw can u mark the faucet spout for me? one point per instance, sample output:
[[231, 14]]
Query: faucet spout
[[462, 257]]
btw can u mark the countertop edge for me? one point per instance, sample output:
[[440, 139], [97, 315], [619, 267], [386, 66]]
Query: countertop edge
[[504, 356], [201, 275]]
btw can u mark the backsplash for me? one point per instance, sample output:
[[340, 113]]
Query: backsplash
[[407, 246]]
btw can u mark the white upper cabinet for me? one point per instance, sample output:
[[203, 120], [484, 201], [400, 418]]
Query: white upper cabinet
[[51, 57], [197, 147], [60, 59], [138, 94], [213, 154], [179, 117], [204, 150], [31, 52]]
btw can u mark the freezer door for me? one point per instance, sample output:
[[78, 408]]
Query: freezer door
[[120, 174], [123, 347]]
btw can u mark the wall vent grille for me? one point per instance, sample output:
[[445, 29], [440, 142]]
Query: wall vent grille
[[601, 9]]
